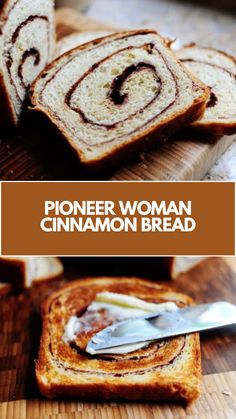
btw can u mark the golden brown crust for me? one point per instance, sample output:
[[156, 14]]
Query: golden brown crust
[[210, 132], [3, 7], [7, 113], [145, 374], [138, 142]]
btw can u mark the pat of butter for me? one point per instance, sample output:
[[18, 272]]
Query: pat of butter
[[125, 307], [71, 328], [124, 302], [122, 307]]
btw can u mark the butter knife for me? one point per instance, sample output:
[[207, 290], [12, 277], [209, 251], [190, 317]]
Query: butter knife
[[151, 327]]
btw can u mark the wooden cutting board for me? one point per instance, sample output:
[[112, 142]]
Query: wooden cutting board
[[20, 328], [32, 153]]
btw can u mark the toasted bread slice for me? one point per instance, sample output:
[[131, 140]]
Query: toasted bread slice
[[170, 369], [22, 272], [113, 96], [218, 71]]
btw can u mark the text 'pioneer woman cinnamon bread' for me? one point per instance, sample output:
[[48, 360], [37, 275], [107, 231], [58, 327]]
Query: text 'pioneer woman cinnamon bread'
[[107, 96], [27, 42], [218, 71], [167, 369]]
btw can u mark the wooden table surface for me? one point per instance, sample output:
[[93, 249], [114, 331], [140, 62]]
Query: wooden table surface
[[20, 326]]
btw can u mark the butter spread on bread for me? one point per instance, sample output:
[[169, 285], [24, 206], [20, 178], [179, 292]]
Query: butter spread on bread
[[169, 369], [119, 307]]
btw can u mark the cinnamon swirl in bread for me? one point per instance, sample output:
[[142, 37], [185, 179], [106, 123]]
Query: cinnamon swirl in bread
[[27, 43], [218, 71], [168, 369], [114, 94]]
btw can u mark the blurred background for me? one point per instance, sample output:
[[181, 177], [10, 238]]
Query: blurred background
[[209, 22], [84, 4]]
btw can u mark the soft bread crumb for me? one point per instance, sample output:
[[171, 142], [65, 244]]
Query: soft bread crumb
[[78, 93], [32, 49], [218, 71]]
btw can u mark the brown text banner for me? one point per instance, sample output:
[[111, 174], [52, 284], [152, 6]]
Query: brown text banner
[[118, 218]]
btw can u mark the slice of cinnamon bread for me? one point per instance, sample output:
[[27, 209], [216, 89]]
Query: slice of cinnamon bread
[[114, 95], [218, 71], [27, 43], [167, 369]]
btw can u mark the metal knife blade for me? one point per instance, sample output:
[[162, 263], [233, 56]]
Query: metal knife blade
[[129, 333]]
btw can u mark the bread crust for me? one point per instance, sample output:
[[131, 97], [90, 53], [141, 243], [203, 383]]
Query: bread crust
[[230, 57], [150, 385], [8, 115], [138, 142], [77, 36]]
